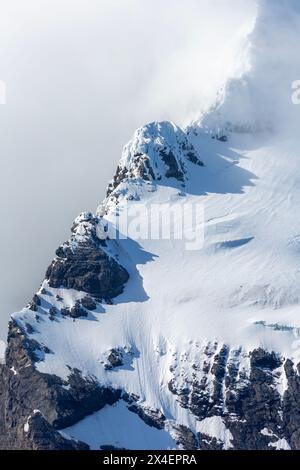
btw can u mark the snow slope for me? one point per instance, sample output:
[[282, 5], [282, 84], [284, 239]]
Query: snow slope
[[116, 426], [247, 271], [241, 289]]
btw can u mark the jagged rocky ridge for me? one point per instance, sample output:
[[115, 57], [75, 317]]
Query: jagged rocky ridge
[[158, 151], [240, 399], [246, 401], [35, 405], [82, 264]]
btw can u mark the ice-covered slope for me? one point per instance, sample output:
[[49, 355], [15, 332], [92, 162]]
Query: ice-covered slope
[[195, 348], [247, 271], [185, 313]]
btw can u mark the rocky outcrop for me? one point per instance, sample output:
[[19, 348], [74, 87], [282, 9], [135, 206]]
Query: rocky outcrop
[[88, 303], [233, 396], [153, 418], [119, 356], [74, 312], [89, 270], [185, 438], [34, 406], [40, 435], [158, 150], [115, 358], [248, 402], [82, 263]]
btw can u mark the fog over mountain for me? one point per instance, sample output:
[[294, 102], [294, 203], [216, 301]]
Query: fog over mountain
[[81, 77], [261, 97]]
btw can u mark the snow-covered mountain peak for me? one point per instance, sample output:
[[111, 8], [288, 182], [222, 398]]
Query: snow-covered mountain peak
[[84, 227], [158, 151], [201, 346]]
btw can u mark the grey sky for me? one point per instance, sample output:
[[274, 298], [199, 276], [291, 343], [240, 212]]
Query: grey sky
[[80, 77]]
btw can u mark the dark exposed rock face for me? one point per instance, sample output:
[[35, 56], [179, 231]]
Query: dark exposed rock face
[[185, 438], [153, 418], [35, 303], [88, 303], [23, 390], [42, 436], [264, 360], [82, 264], [157, 150], [75, 312], [251, 408], [89, 270], [120, 356], [174, 170], [209, 443], [52, 313], [114, 358], [34, 405], [80, 309]]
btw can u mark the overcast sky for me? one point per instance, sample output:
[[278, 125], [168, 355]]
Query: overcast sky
[[81, 76]]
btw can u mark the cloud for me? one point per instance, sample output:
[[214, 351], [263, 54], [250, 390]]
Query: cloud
[[262, 97], [2, 350]]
